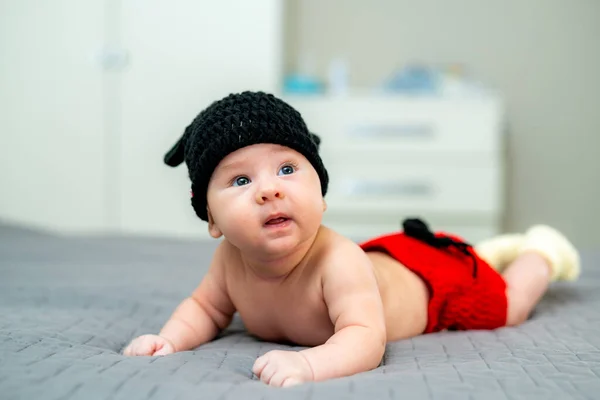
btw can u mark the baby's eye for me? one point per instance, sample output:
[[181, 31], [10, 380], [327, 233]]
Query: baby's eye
[[241, 181], [286, 170]]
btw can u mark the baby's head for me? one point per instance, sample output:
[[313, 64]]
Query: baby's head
[[250, 147]]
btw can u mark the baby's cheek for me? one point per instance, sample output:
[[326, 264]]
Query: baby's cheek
[[239, 227], [320, 205]]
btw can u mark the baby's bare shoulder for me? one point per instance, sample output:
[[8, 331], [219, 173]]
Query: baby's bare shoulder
[[337, 251], [226, 259]]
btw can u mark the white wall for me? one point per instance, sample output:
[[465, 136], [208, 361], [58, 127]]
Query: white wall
[[83, 135], [62, 115], [52, 147], [204, 51], [543, 55]]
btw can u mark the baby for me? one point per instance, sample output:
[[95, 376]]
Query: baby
[[259, 182]]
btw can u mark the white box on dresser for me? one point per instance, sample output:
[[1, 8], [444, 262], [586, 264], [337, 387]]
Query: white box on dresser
[[392, 157]]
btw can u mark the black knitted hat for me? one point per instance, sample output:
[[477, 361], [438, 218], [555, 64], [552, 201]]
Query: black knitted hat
[[237, 121]]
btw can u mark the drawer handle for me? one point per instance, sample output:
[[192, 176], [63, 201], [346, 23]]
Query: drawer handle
[[378, 188], [392, 131]]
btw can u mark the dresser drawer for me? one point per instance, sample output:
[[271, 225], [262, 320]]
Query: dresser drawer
[[418, 124], [389, 185]]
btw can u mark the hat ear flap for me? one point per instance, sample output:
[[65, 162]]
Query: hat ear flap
[[176, 155], [315, 139]]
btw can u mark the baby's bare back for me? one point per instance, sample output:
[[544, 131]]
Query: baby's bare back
[[404, 295]]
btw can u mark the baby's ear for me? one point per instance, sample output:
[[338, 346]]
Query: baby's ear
[[213, 229], [324, 205]]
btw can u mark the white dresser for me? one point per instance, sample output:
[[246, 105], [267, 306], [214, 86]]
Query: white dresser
[[392, 157], [100, 169]]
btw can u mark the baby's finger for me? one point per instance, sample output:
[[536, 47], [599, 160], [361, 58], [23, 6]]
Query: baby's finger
[[259, 364], [266, 375], [163, 349], [143, 347], [150, 346], [290, 382], [161, 352], [278, 379]]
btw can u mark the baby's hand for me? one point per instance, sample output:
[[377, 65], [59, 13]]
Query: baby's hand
[[283, 368], [149, 345]]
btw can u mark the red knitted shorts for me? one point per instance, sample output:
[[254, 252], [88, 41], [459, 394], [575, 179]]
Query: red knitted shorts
[[458, 298]]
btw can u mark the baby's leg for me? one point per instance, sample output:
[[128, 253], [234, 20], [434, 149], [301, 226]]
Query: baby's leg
[[544, 256], [527, 279]]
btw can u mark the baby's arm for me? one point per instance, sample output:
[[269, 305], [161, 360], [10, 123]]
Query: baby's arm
[[355, 307], [198, 318]]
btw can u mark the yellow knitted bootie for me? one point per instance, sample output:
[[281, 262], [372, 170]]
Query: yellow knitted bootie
[[501, 250], [559, 252]]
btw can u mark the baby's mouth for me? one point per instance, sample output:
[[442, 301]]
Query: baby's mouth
[[275, 221]]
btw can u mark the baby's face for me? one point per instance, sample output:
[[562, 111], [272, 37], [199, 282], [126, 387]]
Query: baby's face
[[265, 198]]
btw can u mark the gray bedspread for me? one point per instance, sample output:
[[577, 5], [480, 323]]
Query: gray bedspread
[[69, 305]]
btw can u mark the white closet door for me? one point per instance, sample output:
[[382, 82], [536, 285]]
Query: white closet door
[[182, 55], [52, 155]]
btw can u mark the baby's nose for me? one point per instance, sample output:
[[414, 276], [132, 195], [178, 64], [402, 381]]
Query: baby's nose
[[269, 193]]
